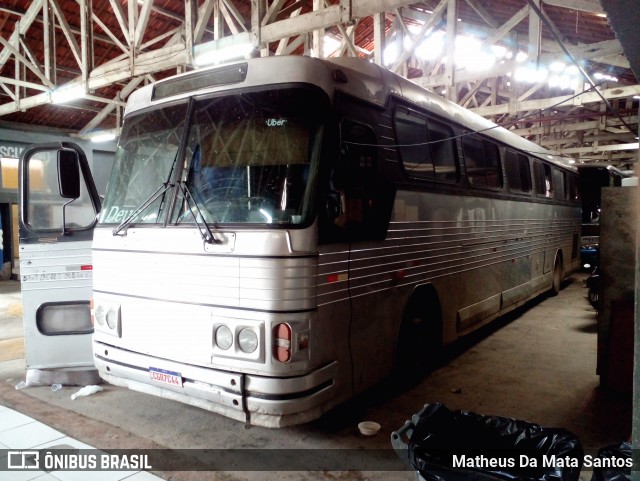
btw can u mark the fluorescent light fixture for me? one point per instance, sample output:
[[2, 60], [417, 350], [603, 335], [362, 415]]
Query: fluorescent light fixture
[[67, 94], [557, 66], [432, 47], [225, 49], [106, 137], [604, 76], [531, 74]]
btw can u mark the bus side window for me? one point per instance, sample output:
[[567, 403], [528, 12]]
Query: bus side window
[[482, 161], [426, 147], [517, 169], [542, 178], [559, 181], [573, 187], [412, 136]]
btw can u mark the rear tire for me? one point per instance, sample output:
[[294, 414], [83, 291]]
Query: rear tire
[[556, 283]]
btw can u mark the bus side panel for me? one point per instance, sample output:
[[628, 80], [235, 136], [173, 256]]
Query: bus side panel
[[482, 255]]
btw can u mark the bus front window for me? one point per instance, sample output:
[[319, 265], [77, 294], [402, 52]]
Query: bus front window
[[144, 161], [251, 157]]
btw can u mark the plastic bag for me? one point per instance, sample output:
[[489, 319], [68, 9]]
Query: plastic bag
[[620, 452], [440, 433], [87, 391]]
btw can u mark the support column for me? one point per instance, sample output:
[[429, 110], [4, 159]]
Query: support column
[[318, 35]]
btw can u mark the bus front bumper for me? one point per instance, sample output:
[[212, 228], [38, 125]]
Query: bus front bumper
[[258, 400]]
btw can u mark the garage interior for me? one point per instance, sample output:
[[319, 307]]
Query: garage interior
[[562, 73]]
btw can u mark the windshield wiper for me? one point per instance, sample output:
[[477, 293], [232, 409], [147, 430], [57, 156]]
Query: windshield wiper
[[203, 227], [125, 223]]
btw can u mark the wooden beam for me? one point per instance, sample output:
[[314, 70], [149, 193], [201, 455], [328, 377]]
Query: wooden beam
[[204, 14], [25, 61], [562, 101], [21, 28], [121, 17], [141, 25]]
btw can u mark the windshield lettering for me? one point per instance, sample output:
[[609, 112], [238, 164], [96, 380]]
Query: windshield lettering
[[275, 122], [116, 214]]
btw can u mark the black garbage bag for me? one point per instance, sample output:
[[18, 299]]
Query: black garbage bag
[[457, 445], [609, 469]]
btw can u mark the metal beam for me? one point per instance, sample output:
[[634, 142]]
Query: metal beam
[[562, 101]]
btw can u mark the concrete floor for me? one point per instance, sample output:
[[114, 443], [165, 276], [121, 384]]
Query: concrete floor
[[538, 365]]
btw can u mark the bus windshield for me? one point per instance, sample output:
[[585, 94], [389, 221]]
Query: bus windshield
[[145, 159], [250, 158]]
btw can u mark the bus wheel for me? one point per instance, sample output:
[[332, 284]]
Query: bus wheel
[[557, 277], [419, 345]]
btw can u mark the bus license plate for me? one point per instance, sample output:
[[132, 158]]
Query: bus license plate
[[163, 376]]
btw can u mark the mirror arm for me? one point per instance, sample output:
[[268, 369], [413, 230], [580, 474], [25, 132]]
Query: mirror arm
[[64, 220]]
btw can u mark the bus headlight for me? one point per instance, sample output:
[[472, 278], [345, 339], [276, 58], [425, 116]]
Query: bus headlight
[[100, 315], [112, 318], [223, 337], [108, 318], [248, 340], [239, 339]]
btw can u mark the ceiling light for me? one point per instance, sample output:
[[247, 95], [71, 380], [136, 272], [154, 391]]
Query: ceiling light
[[103, 137], [67, 94], [225, 49], [530, 74]]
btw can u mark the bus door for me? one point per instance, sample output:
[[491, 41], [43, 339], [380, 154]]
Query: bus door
[[367, 203], [58, 210]]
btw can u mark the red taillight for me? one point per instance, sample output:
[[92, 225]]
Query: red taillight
[[92, 312], [282, 342]]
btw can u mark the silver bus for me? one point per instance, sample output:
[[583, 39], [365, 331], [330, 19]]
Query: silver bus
[[280, 234]]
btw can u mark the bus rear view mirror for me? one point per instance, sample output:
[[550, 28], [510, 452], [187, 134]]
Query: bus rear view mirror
[[68, 174]]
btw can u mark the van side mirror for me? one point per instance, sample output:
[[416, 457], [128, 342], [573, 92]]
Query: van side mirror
[[68, 174]]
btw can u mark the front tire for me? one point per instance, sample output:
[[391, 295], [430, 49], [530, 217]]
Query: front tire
[[419, 344]]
